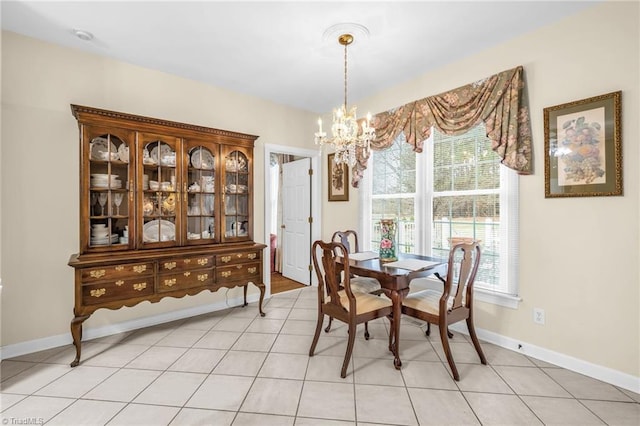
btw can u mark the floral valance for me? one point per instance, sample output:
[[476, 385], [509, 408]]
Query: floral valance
[[499, 101]]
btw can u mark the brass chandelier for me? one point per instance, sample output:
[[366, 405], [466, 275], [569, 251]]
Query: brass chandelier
[[345, 130]]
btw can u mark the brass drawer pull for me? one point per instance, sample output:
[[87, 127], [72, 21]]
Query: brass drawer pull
[[98, 273], [252, 255], [238, 266], [139, 268], [226, 274], [186, 274], [252, 270], [225, 259], [119, 268], [202, 277], [169, 265], [98, 292], [239, 255], [170, 282], [140, 286], [119, 283], [187, 261], [203, 261]]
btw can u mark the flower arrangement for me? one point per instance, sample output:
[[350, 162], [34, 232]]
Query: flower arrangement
[[387, 240]]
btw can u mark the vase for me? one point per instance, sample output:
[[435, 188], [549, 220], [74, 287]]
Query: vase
[[388, 240]]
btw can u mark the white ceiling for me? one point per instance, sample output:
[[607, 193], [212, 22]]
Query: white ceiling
[[276, 50]]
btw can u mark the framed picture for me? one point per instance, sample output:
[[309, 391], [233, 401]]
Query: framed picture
[[582, 145], [338, 180]]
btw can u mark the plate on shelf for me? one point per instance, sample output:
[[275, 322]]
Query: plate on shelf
[[163, 229], [238, 164], [165, 152], [123, 152], [103, 241], [202, 159], [99, 149]]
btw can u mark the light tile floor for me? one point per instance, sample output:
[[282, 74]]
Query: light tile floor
[[236, 368]]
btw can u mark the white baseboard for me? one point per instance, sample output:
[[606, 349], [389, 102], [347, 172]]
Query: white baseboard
[[88, 333], [605, 374]]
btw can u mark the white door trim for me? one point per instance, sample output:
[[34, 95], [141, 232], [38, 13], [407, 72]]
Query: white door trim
[[316, 199]]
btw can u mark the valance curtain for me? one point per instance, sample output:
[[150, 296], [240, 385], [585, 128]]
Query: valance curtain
[[499, 101]]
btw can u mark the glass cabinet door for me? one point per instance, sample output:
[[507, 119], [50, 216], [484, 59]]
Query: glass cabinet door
[[200, 192], [159, 194], [236, 196], [110, 198]]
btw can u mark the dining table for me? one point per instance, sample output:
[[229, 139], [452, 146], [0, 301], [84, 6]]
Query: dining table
[[394, 278]]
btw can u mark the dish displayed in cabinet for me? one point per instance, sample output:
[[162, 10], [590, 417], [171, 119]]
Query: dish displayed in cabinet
[[103, 241], [236, 189], [99, 180], [99, 148], [123, 153], [166, 157], [201, 158], [238, 164], [159, 230]]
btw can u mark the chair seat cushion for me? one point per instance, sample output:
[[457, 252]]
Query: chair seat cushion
[[364, 284], [365, 302], [426, 301]]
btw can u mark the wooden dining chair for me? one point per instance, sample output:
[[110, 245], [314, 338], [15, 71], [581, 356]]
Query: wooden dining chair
[[336, 298], [454, 303], [349, 240]]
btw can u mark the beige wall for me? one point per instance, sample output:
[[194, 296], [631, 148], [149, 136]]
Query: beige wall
[[40, 169], [579, 257]]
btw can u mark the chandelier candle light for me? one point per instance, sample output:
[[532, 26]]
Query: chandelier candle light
[[345, 126]]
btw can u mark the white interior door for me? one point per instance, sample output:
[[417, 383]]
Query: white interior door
[[296, 210]]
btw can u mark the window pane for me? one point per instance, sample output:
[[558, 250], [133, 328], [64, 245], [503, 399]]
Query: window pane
[[489, 175], [441, 151], [464, 177], [409, 181]]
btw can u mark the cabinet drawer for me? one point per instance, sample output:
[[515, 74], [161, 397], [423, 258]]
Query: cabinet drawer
[[185, 264], [106, 273], [185, 279], [244, 271], [117, 290], [231, 259]]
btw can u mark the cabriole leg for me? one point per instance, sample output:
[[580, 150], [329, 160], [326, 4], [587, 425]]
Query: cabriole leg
[[261, 287], [76, 333]]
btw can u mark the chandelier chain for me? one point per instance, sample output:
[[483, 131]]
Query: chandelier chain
[[345, 76]]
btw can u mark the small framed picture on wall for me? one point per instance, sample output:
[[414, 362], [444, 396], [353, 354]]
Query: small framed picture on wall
[[338, 180]]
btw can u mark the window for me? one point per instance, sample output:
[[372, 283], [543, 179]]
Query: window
[[455, 188]]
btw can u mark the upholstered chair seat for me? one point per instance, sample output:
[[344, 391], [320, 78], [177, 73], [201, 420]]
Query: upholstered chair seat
[[365, 284]]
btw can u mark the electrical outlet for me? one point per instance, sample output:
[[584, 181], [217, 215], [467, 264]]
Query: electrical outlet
[[538, 316]]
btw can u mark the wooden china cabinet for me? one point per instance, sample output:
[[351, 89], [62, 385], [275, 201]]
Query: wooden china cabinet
[[165, 211]]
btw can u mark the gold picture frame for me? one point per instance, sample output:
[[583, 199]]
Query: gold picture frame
[[583, 148], [338, 180]]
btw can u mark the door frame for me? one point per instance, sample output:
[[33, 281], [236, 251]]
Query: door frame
[[316, 199]]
